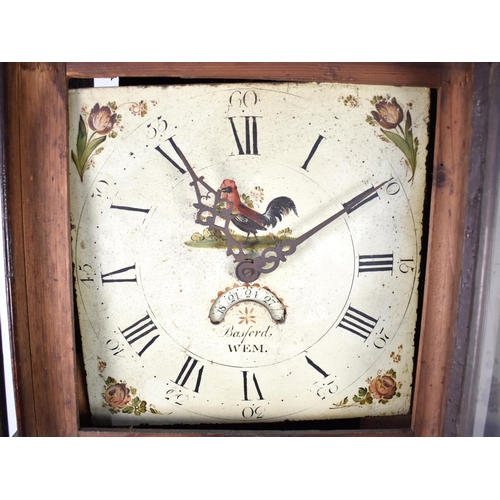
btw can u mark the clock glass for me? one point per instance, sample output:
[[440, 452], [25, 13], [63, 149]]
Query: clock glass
[[247, 253]]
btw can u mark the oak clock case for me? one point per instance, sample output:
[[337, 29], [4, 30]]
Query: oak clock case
[[247, 253]]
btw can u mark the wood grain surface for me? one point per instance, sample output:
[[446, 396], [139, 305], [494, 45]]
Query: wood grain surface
[[413, 74], [41, 275], [446, 237]]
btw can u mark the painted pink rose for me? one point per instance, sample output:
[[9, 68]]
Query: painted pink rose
[[117, 396], [383, 387]]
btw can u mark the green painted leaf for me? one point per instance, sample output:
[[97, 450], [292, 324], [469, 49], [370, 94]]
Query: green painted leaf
[[406, 148], [408, 124], [77, 164], [81, 140], [92, 145], [95, 142], [409, 138], [247, 200], [396, 139]]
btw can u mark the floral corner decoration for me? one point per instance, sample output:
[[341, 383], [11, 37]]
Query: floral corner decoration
[[383, 388], [103, 122], [119, 398], [389, 115], [350, 101]]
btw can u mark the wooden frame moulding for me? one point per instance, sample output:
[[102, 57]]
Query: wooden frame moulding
[[39, 260]]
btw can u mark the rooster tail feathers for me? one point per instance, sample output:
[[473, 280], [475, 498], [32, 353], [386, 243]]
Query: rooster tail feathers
[[277, 209]]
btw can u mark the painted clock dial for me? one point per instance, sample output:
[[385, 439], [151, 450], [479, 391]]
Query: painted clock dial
[[247, 252]]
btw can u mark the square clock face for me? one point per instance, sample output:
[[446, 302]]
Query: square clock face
[[247, 253]]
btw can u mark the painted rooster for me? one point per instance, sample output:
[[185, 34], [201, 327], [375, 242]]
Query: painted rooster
[[247, 219]]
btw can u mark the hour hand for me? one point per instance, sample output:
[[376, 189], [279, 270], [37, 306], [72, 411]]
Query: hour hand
[[197, 182], [270, 257], [211, 207]]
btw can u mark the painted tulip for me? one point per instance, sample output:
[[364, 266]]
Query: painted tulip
[[101, 120], [389, 114]]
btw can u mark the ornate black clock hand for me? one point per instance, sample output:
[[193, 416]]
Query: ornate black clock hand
[[269, 259], [217, 209]]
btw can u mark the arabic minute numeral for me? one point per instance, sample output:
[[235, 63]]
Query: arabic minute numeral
[[380, 341], [407, 265], [252, 412], [157, 128]]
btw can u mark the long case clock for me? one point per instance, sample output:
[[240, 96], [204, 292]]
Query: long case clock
[[278, 255]]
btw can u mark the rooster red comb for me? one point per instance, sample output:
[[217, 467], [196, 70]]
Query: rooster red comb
[[228, 185]]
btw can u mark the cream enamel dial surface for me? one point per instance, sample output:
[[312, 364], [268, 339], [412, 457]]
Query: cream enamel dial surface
[[172, 333]]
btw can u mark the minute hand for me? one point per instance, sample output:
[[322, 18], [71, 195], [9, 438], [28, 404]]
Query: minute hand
[[351, 205], [269, 258]]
